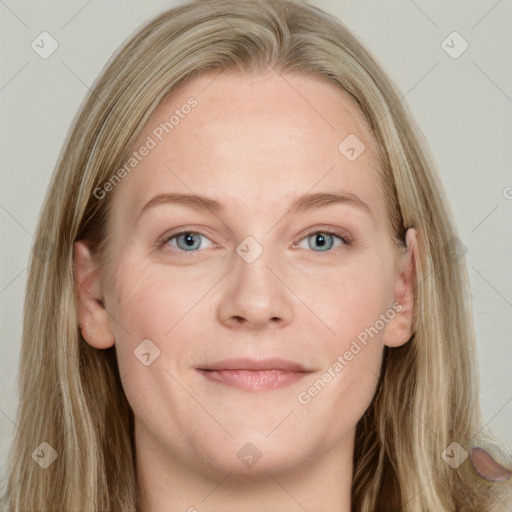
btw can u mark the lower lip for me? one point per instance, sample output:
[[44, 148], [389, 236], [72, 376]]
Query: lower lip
[[254, 380]]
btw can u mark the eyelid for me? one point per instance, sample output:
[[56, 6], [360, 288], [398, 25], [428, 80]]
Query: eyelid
[[338, 232], [182, 231], [341, 233]]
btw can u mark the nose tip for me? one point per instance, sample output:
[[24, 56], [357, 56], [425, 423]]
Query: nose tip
[[255, 296]]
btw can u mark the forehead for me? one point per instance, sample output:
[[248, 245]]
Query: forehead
[[253, 141]]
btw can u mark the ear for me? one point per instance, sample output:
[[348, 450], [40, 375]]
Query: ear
[[92, 315], [400, 328]]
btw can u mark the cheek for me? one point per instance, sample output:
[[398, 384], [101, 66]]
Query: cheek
[[139, 309], [156, 303], [352, 390], [353, 359], [152, 312], [350, 298], [354, 302]]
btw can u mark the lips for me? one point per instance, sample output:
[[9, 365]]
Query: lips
[[255, 364], [254, 375]]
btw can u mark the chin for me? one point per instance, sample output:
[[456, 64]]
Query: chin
[[249, 459]]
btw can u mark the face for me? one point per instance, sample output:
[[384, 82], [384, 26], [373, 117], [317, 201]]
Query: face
[[249, 326]]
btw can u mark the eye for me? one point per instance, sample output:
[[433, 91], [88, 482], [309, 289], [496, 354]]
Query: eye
[[323, 240], [186, 241], [191, 241]]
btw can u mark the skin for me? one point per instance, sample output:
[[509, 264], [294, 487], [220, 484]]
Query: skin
[[254, 143]]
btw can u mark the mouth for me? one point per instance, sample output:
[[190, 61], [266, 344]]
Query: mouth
[[254, 375]]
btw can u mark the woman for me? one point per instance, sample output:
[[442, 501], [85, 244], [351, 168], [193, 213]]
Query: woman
[[253, 371]]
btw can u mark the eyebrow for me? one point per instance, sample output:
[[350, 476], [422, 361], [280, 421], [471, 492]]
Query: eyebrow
[[303, 203]]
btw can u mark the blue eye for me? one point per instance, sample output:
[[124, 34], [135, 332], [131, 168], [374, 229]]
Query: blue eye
[[324, 240], [188, 241], [191, 241]]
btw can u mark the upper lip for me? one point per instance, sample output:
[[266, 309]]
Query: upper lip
[[255, 364]]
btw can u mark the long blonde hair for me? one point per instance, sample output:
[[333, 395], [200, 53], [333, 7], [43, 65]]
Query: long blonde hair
[[71, 394]]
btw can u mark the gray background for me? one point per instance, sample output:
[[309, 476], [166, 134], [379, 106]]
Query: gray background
[[463, 106]]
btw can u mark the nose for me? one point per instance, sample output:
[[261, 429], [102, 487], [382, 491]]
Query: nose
[[256, 295]]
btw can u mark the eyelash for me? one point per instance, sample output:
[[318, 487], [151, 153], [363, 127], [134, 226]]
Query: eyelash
[[161, 242]]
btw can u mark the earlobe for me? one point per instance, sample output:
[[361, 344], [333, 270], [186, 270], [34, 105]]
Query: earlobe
[[92, 315], [400, 328]]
